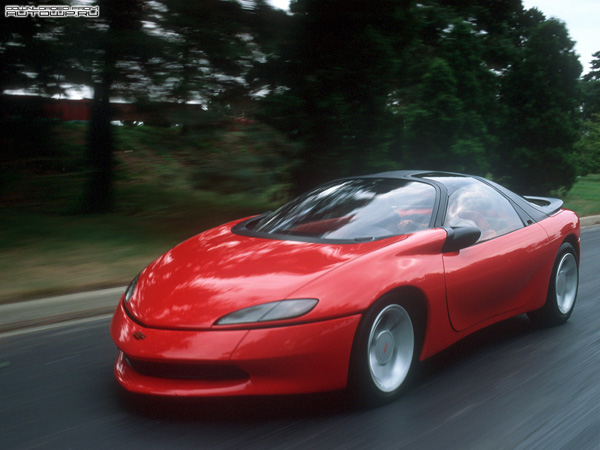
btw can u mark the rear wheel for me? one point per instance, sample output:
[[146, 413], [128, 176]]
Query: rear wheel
[[384, 354], [562, 291]]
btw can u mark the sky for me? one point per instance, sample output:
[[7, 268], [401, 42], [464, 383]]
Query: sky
[[582, 18], [281, 4]]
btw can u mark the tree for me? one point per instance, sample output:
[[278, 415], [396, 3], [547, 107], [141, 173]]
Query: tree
[[469, 86], [208, 51], [120, 19], [29, 54], [587, 157], [337, 69], [434, 122], [540, 93], [446, 124], [590, 85]]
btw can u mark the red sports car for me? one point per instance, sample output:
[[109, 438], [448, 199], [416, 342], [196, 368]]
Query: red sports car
[[348, 286]]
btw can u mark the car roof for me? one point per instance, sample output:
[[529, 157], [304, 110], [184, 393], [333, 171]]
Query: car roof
[[535, 208]]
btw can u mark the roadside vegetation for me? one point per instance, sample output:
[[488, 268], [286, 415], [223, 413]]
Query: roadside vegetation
[[162, 198], [169, 186], [584, 196]]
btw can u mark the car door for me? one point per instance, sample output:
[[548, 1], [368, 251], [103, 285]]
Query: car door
[[501, 272]]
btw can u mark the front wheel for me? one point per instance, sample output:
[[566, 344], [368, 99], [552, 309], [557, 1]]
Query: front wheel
[[562, 291], [384, 354]]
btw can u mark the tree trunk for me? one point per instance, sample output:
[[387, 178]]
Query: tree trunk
[[99, 190]]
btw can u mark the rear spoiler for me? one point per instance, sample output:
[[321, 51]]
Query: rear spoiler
[[546, 205]]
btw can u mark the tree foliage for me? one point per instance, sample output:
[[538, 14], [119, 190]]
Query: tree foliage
[[336, 67], [540, 93], [484, 86], [587, 156], [590, 85]]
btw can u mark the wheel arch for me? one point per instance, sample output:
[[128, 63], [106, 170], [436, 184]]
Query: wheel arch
[[414, 301], [551, 313], [574, 241]]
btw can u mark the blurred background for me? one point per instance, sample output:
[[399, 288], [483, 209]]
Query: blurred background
[[123, 134]]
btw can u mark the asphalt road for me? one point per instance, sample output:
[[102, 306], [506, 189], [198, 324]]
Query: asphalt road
[[509, 387]]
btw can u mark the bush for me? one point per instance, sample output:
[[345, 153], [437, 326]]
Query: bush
[[256, 160]]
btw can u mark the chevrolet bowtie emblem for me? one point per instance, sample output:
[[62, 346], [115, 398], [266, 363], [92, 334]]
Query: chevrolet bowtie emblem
[[138, 335]]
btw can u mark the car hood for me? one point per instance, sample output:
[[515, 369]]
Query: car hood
[[218, 272]]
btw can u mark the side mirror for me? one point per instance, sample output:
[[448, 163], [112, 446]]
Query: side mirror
[[459, 238]]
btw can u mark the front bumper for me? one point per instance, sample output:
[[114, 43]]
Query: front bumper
[[311, 357]]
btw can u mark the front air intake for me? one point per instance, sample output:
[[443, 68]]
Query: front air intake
[[186, 371]]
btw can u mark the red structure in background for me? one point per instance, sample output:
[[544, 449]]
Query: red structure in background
[[45, 108], [65, 109], [157, 114]]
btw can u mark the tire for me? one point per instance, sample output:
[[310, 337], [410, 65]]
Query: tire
[[384, 354], [562, 291]]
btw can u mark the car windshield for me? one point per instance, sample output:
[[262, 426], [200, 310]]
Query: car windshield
[[354, 209]]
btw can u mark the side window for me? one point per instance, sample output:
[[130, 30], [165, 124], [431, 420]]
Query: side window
[[477, 204]]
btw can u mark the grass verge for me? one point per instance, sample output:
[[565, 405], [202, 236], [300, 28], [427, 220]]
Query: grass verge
[[584, 196], [44, 255]]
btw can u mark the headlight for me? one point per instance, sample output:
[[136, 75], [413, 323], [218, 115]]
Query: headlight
[[284, 309], [131, 288]]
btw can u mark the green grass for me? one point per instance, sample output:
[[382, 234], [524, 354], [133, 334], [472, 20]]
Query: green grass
[[584, 196], [43, 254]]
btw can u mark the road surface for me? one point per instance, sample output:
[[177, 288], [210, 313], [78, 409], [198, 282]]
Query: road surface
[[512, 386]]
